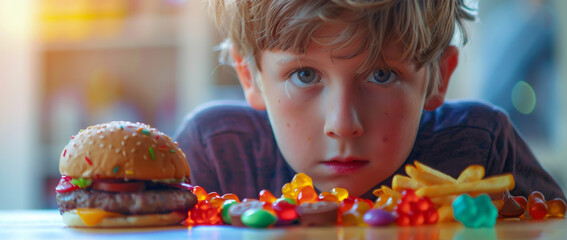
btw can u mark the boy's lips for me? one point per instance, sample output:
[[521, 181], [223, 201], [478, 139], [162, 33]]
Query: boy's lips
[[345, 165]]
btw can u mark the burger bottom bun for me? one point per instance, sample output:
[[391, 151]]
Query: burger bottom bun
[[72, 219]]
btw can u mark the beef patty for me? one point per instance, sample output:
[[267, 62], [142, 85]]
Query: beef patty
[[144, 202]]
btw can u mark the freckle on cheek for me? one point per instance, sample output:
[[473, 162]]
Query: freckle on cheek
[[385, 139], [385, 114], [287, 124], [308, 138]]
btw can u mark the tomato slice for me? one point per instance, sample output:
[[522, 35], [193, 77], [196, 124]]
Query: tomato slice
[[65, 185], [114, 186]]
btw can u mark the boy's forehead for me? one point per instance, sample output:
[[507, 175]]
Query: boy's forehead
[[325, 39]]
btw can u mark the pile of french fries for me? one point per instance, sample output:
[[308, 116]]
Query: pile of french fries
[[441, 188]]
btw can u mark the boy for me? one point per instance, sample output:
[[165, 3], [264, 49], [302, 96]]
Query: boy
[[347, 92]]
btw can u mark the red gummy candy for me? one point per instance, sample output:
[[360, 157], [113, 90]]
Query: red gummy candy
[[415, 211], [285, 210], [204, 214], [537, 206]]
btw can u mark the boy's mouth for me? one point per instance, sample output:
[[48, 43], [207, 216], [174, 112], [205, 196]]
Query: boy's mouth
[[345, 165]]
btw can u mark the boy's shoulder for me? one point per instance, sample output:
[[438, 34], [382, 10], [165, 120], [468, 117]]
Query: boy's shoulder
[[465, 114], [219, 117]]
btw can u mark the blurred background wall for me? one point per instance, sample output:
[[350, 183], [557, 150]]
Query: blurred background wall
[[66, 65]]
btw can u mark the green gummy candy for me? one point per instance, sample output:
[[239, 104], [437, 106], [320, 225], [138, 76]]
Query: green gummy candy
[[475, 212], [258, 218], [224, 213]]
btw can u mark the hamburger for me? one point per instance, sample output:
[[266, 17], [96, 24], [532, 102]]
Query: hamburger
[[123, 174]]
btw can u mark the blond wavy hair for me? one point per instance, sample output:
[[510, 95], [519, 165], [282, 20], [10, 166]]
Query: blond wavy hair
[[423, 27]]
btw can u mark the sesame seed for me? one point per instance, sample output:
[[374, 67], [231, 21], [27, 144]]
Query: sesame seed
[[117, 150], [138, 143], [109, 146], [134, 134], [90, 142], [101, 145], [101, 136], [124, 153], [125, 137], [132, 150], [122, 143], [145, 157]]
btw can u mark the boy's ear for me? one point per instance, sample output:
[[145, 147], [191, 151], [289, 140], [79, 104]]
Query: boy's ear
[[447, 66], [251, 90]]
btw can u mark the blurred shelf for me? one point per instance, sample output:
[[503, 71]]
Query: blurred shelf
[[132, 32]]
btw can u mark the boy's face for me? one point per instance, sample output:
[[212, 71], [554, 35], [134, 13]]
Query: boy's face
[[342, 128]]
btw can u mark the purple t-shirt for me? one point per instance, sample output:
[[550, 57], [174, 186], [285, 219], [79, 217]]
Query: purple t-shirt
[[231, 148]]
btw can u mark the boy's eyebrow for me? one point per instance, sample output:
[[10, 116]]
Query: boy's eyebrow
[[288, 59]]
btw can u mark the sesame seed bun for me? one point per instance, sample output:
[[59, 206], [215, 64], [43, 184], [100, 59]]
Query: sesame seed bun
[[123, 150]]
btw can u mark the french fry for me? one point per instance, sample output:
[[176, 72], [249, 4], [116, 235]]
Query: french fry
[[443, 200], [471, 173], [400, 182], [492, 184], [432, 176], [411, 171], [389, 192], [378, 192]]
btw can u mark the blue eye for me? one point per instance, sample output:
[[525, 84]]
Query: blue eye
[[384, 76], [304, 77]]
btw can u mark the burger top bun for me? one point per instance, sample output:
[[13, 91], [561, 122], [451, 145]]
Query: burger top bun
[[123, 150]]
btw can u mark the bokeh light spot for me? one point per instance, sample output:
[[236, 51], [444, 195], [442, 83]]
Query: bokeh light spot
[[523, 97]]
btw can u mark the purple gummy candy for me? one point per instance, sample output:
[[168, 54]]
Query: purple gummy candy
[[378, 217]]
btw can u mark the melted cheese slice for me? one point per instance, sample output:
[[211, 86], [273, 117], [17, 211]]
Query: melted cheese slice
[[93, 216]]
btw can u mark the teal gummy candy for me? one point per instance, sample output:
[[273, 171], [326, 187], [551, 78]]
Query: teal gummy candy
[[224, 213], [475, 212], [258, 218]]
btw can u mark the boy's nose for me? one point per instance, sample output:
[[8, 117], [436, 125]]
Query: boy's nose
[[342, 121]]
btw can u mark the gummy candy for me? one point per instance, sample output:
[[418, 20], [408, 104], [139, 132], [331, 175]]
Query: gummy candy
[[216, 202], [340, 193], [285, 210], [537, 206], [306, 195], [353, 217], [378, 217], [346, 204], [556, 208], [288, 192], [415, 211], [266, 196], [200, 192], [475, 212], [301, 180], [522, 201], [289, 200], [231, 196], [258, 218], [327, 196], [203, 214], [212, 195]]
